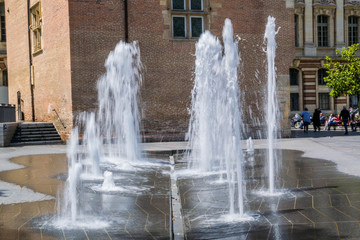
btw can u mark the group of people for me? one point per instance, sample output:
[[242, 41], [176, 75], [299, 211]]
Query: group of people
[[318, 118]]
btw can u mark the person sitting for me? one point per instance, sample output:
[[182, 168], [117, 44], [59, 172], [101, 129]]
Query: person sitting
[[331, 122], [322, 118], [326, 124], [338, 120]]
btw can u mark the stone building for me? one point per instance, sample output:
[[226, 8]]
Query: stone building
[[321, 27], [58, 49]]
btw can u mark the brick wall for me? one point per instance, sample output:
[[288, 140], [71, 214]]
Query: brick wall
[[18, 55], [51, 66], [95, 26]]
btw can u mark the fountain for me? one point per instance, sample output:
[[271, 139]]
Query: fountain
[[250, 145], [108, 183], [272, 111], [214, 130], [109, 136]]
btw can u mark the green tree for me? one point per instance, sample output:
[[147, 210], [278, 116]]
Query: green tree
[[344, 75]]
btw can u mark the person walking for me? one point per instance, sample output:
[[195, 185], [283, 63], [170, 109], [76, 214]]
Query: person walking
[[316, 120], [306, 116], [345, 115]]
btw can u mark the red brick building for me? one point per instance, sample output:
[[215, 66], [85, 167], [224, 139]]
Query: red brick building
[[57, 49]]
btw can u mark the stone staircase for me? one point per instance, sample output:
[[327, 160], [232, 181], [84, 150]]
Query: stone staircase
[[35, 134]]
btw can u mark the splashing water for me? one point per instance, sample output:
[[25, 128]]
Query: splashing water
[[108, 183], [250, 145], [272, 110], [116, 124], [214, 130]]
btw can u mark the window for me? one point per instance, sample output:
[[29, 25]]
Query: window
[[2, 23], [36, 27], [354, 101], [324, 101], [178, 5], [323, 38], [294, 74], [179, 26], [196, 27], [196, 5], [296, 30], [187, 18], [5, 77], [321, 75], [294, 102], [353, 30]]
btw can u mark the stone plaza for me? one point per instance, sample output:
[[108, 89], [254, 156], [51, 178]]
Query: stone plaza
[[319, 176]]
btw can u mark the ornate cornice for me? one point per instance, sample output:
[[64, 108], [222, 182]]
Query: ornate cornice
[[324, 2], [324, 11], [300, 2], [352, 3], [352, 12]]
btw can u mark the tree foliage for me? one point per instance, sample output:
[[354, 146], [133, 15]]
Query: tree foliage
[[344, 75]]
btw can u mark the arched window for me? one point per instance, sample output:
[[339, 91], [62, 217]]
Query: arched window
[[323, 30], [353, 24]]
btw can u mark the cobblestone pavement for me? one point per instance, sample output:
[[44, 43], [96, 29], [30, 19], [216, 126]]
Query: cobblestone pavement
[[317, 202]]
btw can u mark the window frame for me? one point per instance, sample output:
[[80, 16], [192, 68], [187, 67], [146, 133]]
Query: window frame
[[296, 21], [197, 10], [36, 27], [292, 103], [2, 23], [321, 101], [172, 6], [188, 14], [202, 25], [321, 75], [5, 78], [351, 27], [323, 31], [351, 104], [172, 26], [291, 75]]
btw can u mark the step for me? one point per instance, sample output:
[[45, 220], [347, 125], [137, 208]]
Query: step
[[36, 131], [36, 136], [48, 142], [32, 126]]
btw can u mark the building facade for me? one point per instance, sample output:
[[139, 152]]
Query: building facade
[[58, 49], [321, 27], [4, 98]]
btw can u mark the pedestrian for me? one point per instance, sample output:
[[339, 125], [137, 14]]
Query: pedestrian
[[345, 115], [306, 117], [353, 121], [316, 120]]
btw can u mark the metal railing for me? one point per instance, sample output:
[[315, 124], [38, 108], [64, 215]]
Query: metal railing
[[59, 118]]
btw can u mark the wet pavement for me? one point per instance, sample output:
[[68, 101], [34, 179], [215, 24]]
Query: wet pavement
[[141, 212], [317, 202], [321, 201]]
